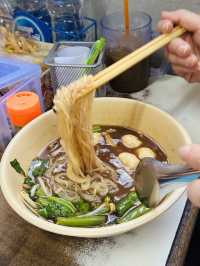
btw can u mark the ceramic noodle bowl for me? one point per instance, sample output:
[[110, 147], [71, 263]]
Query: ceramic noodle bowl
[[127, 113]]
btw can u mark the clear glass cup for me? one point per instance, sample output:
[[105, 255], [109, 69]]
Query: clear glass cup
[[119, 44]]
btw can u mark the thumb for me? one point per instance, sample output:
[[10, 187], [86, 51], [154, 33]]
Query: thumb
[[191, 155], [187, 19]]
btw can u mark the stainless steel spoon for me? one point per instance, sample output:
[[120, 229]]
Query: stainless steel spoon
[[150, 174]]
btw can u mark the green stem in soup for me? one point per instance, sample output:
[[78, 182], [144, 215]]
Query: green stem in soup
[[96, 129], [16, 165], [133, 214], [101, 210], [87, 221], [126, 203]]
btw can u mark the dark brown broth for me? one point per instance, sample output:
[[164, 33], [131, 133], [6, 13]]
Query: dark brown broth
[[125, 180], [109, 154]]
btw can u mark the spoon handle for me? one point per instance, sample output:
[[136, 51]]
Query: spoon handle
[[185, 178], [175, 173], [168, 171]]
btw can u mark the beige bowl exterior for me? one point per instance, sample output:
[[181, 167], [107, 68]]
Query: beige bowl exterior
[[107, 111]]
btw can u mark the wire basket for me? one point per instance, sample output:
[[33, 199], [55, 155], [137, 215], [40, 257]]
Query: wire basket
[[62, 74]]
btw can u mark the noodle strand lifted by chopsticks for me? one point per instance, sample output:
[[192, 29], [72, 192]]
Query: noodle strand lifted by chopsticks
[[74, 116]]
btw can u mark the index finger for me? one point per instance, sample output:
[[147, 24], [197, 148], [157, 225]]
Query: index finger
[[187, 19]]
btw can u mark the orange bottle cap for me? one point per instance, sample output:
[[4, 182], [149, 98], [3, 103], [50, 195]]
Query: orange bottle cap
[[23, 107]]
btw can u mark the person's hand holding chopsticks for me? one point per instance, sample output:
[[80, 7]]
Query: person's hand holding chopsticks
[[183, 53]]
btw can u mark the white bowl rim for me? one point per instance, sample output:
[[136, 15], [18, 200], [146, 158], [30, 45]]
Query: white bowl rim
[[106, 231]]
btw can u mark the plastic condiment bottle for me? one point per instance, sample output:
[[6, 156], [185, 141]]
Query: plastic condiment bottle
[[22, 108]]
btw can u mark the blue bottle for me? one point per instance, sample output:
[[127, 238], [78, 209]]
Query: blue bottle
[[33, 19], [36, 8], [66, 18]]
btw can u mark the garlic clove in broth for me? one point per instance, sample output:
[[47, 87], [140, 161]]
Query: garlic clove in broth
[[129, 160], [145, 152], [131, 141]]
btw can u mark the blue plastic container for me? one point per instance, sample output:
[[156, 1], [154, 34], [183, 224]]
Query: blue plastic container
[[15, 76]]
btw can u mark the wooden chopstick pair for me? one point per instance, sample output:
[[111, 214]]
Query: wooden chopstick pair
[[132, 59]]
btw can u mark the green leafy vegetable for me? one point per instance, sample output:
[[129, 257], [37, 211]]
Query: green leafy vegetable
[[43, 212], [43, 202], [53, 207], [82, 206], [16, 165], [40, 193], [28, 181], [62, 202], [38, 167]]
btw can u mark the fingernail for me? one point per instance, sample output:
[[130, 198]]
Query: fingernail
[[183, 49], [184, 151], [167, 26]]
